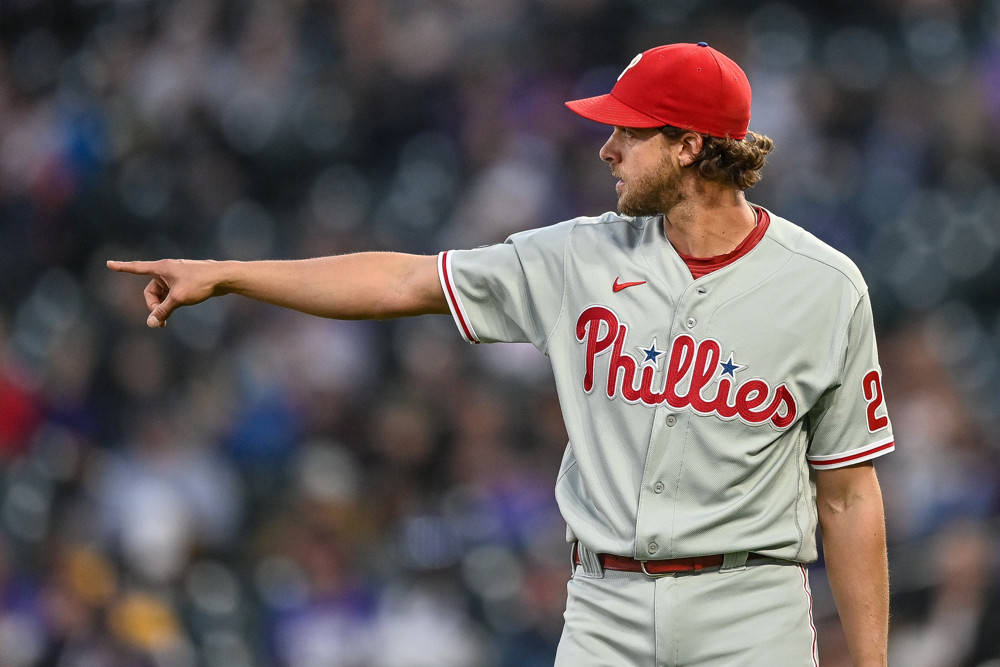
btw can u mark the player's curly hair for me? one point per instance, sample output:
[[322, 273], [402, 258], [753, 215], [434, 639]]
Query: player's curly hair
[[729, 161]]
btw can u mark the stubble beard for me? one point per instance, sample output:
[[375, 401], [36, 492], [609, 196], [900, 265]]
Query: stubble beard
[[652, 194]]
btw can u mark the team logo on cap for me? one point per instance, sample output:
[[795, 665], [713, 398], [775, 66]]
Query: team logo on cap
[[696, 376], [635, 61]]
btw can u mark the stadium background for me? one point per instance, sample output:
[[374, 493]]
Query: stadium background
[[254, 487]]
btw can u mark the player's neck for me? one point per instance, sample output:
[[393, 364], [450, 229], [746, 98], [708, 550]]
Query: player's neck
[[709, 222]]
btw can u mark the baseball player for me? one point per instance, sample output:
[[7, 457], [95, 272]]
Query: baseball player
[[716, 368]]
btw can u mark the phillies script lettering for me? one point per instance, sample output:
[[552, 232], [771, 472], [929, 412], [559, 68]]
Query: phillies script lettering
[[690, 363]]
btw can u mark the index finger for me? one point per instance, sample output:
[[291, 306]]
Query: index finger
[[138, 268]]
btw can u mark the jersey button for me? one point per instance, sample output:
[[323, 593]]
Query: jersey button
[[691, 322], [671, 420], [702, 290], [658, 487], [652, 547]]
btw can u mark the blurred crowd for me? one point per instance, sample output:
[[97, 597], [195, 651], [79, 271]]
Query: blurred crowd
[[254, 487]]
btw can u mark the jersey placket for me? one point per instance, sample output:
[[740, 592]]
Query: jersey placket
[[664, 465]]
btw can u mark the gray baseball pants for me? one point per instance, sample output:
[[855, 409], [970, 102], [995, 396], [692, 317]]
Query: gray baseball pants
[[757, 616]]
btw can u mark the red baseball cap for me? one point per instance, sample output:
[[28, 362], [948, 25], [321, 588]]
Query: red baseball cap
[[691, 86]]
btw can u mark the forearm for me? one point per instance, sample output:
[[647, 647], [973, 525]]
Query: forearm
[[371, 285], [857, 566]]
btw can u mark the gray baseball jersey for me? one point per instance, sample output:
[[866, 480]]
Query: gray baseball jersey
[[694, 408]]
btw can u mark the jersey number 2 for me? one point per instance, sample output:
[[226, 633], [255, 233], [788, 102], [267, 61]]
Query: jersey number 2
[[872, 384]]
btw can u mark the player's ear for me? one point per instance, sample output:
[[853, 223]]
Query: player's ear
[[690, 145]]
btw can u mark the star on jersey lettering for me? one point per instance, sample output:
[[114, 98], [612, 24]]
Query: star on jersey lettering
[[730, 368], [652, 354]]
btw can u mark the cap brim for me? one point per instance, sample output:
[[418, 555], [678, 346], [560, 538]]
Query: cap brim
[[610, 111]]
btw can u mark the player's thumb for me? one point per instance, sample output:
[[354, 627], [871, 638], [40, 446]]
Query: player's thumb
[[158, 316]]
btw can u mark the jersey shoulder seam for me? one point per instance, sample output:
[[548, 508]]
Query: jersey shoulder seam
[[846, 333], [562, 300], [797, 251], [842, 345], [608, 218], [604, 219]]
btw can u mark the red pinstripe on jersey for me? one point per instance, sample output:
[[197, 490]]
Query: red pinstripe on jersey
[[858, 455], [457, 310]]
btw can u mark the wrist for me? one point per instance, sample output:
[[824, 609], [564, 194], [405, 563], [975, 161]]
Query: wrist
[[226, 277]]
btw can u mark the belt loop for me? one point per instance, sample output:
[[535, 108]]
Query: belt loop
[[590, 562], [734, 561]]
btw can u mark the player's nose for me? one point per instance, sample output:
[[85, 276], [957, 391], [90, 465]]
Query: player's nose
[[609, 151]]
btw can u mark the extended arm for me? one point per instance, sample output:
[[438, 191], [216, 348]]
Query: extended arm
[[370, 285], [852, 519]]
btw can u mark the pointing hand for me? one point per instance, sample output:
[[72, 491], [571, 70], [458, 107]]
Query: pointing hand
[[175, 282]]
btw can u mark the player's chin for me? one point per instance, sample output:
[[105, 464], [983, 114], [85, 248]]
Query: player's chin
[[629, 207], [624, 204]]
